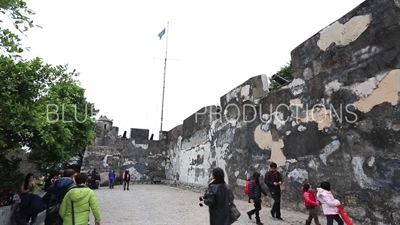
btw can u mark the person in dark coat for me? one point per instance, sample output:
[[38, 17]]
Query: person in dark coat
[[217, 199], [255, 197], [273, 180]]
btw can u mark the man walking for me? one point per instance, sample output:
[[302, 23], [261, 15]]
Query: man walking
[[273, 180], [126, 177]]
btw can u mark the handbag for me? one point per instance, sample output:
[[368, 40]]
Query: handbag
[[234, 212]]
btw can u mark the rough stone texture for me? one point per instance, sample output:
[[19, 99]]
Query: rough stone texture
[[338, 120], [144, 158]]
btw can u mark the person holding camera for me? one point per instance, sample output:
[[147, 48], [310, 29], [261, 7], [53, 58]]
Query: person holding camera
[[255, 197], [217, 199]]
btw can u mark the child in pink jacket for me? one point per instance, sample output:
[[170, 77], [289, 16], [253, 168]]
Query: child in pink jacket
[[329, 203]]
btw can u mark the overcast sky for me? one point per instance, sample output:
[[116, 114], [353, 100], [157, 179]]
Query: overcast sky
[[214, 46]]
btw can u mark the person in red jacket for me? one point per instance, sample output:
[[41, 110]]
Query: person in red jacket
[[311, 204]]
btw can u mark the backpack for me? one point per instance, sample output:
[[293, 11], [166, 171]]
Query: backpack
[[247, 186], [53, 208], [6, 197]]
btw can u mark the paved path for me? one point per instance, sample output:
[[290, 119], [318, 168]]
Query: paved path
[[165, 205]]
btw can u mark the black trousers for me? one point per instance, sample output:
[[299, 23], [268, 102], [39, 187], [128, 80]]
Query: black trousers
[[276, 207], [126, 185], [256, 210], [337, 218]]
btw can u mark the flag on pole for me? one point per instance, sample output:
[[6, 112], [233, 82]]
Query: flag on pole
[[161, 34]]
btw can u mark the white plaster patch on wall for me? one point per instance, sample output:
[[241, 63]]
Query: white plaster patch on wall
[[332, 86], [279, 120], [329, 149], [387, 91], [365, 88], [298, 175], [179, 143], [220, 157], [143, 146], [264, 80], [187, 172], [233, 94], [365, 53], [128, 162], [135, 175], [241, 182], [105, 164], [264, 141], [297, 86], [212, 130], [343, 34], [363, 180], [245, 92], [198, 138]]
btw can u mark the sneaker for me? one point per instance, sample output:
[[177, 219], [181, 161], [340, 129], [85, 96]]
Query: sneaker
[[279, 218], [272, 214]]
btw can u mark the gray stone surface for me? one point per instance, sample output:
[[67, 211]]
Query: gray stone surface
[[337, 121], [165, 205]]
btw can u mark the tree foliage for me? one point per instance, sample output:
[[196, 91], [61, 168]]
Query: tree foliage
[[43, 108], [286, 72], [19, 14]]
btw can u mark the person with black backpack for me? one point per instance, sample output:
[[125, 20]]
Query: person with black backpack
[[255, 191], [58, 190], [273, 180]]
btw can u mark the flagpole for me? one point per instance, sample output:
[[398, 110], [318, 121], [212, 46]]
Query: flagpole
[[165, 71]]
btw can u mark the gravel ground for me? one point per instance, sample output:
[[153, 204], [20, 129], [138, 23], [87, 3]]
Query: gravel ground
[[165, 205]]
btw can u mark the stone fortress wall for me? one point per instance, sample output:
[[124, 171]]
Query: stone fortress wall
[[338, 120]]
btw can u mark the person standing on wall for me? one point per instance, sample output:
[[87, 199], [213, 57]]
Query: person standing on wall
[[126, 177], [111, 178], [255, 197], [273, 180]]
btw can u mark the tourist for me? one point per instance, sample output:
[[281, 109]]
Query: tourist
[[273, 180], [111, 178], [78, 203], [217, 199], [28, 187], [329, 203], [255, 197], [126, 177], [311, 203]]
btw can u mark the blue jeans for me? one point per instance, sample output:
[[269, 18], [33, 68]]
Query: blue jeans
[[111, 184]]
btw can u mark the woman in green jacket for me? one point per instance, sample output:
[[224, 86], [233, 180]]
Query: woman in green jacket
[[82, 199]]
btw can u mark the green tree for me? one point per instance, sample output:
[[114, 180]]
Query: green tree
[[286, 72], [19, 14], [42, 107]]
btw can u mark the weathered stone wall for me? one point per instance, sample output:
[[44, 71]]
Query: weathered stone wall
[[338, 120], [144, 158]]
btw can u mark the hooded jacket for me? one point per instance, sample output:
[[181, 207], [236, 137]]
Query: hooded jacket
[[84, 200], [328, 202], [309, 198]]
